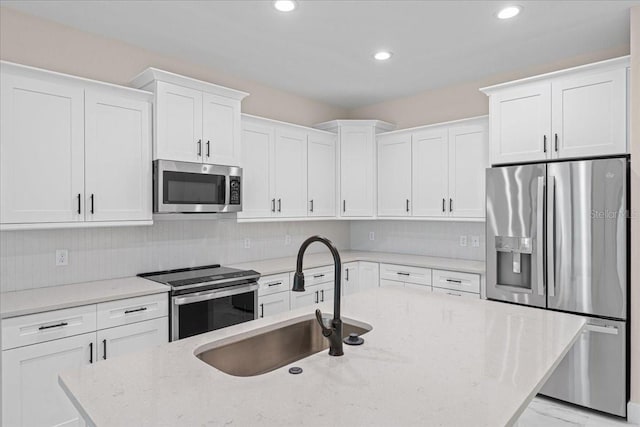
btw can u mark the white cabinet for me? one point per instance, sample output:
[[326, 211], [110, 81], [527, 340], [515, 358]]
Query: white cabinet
[[368, 275], [290, 172], [394, 174], [73, 153], [273, 304], [257, 169], [117, 157], [459, 294], [433, 172], [114, 342], [321, 174], [195, 121], [580, 112], [30, 391], [41, 149], [350, 278], [310, 296]]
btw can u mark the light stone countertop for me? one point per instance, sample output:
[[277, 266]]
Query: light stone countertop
[[283, 265], [19, 303], [429, 360]]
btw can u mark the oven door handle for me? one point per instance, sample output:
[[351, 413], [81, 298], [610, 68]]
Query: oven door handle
[[220, 293]]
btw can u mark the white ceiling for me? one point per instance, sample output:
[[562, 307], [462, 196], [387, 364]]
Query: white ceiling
[[323, 50]]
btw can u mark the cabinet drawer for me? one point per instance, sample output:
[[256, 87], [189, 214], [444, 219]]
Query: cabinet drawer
[[455, 293], [47, 326], [273, 284], [131, 310], [456, 281], [415, 275], [315, 276]]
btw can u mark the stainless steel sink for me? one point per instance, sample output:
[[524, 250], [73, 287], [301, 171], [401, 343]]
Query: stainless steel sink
[[274, 349]]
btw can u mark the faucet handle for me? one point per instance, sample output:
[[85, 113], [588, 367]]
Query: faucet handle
[[325, 331]]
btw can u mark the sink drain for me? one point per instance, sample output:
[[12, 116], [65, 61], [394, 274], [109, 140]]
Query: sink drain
[[295, 370]]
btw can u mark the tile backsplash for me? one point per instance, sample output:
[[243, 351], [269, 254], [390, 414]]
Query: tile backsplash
[[432, 238], [27, 258]]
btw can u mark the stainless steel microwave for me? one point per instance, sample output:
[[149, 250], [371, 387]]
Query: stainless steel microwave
[[184, 187]]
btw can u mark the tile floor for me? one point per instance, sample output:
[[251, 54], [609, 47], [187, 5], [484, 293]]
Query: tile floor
[[549, 413]]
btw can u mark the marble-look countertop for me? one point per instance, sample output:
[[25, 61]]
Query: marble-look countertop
[[283, 265], [429, 360], [19, 303]]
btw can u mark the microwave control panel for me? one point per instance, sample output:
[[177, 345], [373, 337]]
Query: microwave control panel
[[234, 192]]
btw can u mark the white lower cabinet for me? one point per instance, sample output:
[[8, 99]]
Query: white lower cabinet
[[114, 342], [273, 304], [31, 395], [312, 295], [368, 275], [455, 293], [350, 278]]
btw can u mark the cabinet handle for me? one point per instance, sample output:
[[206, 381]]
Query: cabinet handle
[[544, 143], [275, 284], [79, 204], [90, 352], [57, 325], [199, 148], [344, 206], [208, 149], [261, 310], [104, 349], [279, 205], [322, 293], [403, 274], [450, 205], [454, 281], [407, 205], [556, 142], [273, 205], [346, 275], [455, 295], [317, 301], [92, 204], [444, 202], [317, 276], [135, 310], [311, 209]]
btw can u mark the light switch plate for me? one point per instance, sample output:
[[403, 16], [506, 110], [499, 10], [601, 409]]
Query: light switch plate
[[247, 243], [463, 240], [475, 241], [62, 257], [372, 235], [287, 239]]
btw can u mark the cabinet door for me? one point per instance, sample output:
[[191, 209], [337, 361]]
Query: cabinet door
[[310, 296], [273, 304], [258, 200], [290, 171], [41, 151], [521, 124], [394, 175], [369, 275], [220, 130], [118, 158], [430, 171], [179, 123], [31, 395], [350, 278], [590, 114], [467, 164], [357, 163], [114, 342], [321, 172], [326, 292]]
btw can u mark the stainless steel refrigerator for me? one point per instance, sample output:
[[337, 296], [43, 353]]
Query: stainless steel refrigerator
[[557, 239]]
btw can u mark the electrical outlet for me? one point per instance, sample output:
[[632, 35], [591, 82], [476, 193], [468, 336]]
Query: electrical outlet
[[287, 239], [62, 257], [475, 241], [463, 240], [247, 243], [372, 235]]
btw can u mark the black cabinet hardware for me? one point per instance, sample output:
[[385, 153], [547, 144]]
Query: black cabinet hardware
[[407, 205], [57, 325], [311, 209], [92, 204], [79, 203], [544, 146], [444, 202], [346, 275], [104, 349], [208, 149], [261, 310], [275, 284], [279, 205], [273, 205], [556, 142], [199, 148], [317, 276], [90, 352], [450, 205], [322, 293], [403, 274], [344, 206], [135, 310], [454, 281]]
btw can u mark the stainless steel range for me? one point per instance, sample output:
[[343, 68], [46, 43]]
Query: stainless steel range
[[207, 298]]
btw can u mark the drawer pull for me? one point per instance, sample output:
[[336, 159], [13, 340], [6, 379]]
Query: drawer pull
[[403, 274], [317, 276], [57, 325], [90, 352], [104, 349], [454, 281], [275, 284], [455, 295], [135, 310], [261, 310]]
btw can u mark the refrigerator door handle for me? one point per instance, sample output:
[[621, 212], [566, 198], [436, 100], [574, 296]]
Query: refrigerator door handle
[[540, 236], [551, 237], [611, 330]]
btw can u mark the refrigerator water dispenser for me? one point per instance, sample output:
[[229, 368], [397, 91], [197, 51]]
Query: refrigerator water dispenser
[[513, 257]]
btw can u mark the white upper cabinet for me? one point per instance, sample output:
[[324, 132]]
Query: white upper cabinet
[[394, 175], [321, 174], [195, 121], [73, 152], [257, 146], [41, 150], [430, 163], [580, 112], [590, 114], [467, 163], [290, 172], [117, 157]]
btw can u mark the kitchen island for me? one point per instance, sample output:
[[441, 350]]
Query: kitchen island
[[429, 359]]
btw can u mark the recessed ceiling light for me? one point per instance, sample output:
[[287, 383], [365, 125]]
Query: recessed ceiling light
[[383, 55], [509, 12], [285, 5]]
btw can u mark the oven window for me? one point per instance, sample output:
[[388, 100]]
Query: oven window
[[181, 188], [204, 316]]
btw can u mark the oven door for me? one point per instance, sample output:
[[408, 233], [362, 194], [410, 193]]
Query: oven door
[[196, 187], [200, 312]]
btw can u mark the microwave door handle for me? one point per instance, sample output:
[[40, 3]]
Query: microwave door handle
[[540, 236], [551, 236], [182, 300]]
